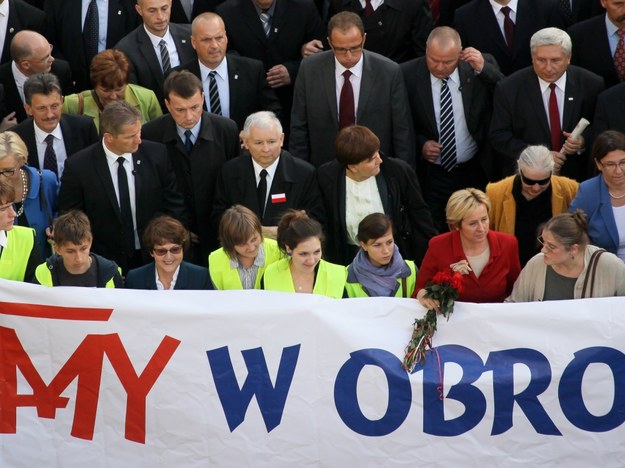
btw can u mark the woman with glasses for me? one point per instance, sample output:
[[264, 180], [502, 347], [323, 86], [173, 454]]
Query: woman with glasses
[[603, 197], [36, 192], [568, 267], [166, 238], [522, 202]]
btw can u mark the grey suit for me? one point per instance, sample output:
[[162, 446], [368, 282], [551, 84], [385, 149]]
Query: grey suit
[[382, 107], [146, 68]]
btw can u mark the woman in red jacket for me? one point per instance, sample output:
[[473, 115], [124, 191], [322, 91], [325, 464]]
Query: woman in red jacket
[[488, 259]]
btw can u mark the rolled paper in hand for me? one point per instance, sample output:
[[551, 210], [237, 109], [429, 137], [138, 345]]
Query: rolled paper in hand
[[579, 129]]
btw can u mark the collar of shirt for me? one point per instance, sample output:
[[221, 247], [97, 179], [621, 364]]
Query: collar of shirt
[[4, 9], [610, 27], [560, 84], [40, 135], [270, 11], [222, 70], [111, 158], [159, 285], [437, 83], [513, 5], [3, 239], [259, 261], [195, 131], [19, 78], [356, 69], [375, 4], [155, 40], [271, 170]]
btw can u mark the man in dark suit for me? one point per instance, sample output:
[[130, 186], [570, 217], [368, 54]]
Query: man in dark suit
[[610, 110], [185, 11], [120, 183], [50, 136], [197, 156], [396, 29], [268, 180], [31, 54], [542, 104], [280, 49], [156, 47], [595, 42], [376, 97], [481, 25], [66, 23], [471, 79], [21, 16], [241, 86]]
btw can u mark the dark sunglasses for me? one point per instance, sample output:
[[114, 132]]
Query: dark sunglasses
[[161, 252], [528, 181]]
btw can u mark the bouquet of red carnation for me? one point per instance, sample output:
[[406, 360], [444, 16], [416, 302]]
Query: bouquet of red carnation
[[444, 287]]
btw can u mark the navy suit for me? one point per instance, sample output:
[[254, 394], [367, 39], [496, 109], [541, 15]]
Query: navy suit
[[189, 277], [78, 133], [22, 16], [64, 31], [146, 67], [87, 185], [247, 86], [520, 119], [294, 178]]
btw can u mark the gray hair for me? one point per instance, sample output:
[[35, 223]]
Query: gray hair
[[262, 119], [41, 83], [537, 157], [115, 115], [551, 36]]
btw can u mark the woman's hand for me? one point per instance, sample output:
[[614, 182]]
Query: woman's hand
[[428, 302]]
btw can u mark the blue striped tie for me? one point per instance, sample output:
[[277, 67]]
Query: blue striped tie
[[213, 94], [447, 137]]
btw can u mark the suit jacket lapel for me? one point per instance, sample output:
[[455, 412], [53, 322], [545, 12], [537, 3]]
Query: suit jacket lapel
[[31, 145], [234, 85], [104, 173], [280, 184], [138, 174], [488, 24], [252, 21], [181, 42], [425, 94], [536, 99], [366, 84], [146, 48], [329, 87], [572, 102]]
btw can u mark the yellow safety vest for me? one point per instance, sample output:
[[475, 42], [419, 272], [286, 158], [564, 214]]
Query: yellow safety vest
[[44, 277], [14, 258], [330, 279]]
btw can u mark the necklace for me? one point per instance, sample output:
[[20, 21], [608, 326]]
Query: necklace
[[25, 192], [615, 197]]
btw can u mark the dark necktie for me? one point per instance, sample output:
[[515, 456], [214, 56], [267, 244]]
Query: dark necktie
[[565, 10], [265, 19], [49, 157], [213, 93], [508, 27], [91, 31], [261, 191], [368, 8], [347, 115], [554, 119], [447, 137], [188, 144], [128, 234], [619, 55], [164, 57]]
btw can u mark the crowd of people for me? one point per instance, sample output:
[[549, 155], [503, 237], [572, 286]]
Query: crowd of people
[[355, 152]]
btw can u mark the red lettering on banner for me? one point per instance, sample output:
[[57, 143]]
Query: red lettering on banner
[[55, 312], [86, 365]]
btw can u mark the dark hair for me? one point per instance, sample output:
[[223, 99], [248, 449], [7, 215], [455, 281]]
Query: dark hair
[[41, 83], [237, 225], [109, 69], [7, 192], [183, 83], [116, 114], [294, 227], [373, 226], [355, 144], [344, 21], [164, 229], [72, 227], [569, 228], [606, 142]]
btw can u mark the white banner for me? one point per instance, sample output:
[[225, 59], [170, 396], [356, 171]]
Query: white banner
[[105, 378]]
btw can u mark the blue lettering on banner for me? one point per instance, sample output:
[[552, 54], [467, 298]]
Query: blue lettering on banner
[[399, 392], [570, 389], [235, 400]]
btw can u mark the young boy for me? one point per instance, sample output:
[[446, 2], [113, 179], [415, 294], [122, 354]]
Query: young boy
[[73, 264]]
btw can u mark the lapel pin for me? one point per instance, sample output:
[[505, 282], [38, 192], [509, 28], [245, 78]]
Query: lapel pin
[[570, 98], [119, 12], [184, 41], [275, 30], [12, 30], [138, 162], [236, 77]]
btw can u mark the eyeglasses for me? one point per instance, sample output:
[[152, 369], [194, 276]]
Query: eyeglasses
[[351, 50], [161, 251], [528, 181], [549, 246], [611, 165], [9, 172]]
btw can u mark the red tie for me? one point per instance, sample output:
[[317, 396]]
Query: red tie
[[619, 55], [554, 120], [368, 8], [347, 115]]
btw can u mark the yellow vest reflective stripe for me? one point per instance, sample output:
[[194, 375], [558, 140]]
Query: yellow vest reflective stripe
[[355, 289], [14, 258], [224, 277], [330, 279]]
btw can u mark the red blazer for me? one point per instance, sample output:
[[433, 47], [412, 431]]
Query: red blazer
[[497, 278]]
